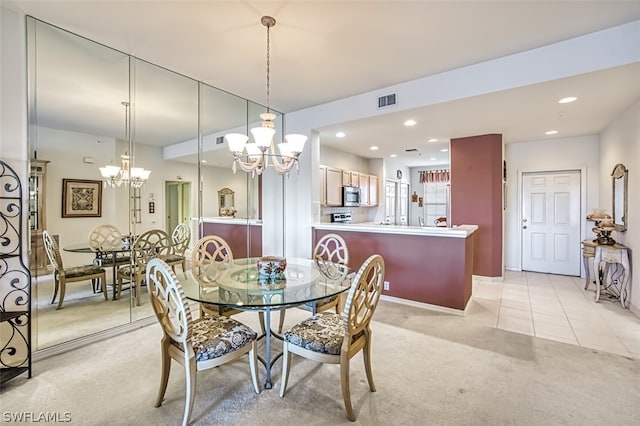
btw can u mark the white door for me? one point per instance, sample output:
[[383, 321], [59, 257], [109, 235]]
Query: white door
[[390, 202], [551, 222], [403, 205]]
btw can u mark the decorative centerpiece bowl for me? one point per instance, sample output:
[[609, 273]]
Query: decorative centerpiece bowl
[[272, 266]]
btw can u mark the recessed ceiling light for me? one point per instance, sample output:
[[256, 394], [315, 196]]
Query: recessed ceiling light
[[551, 132], [567, 100], [373, 148], [410, 123], [433, 140], [444, 150], [433, 158], [393, 156], [203, 161], [341, 135]]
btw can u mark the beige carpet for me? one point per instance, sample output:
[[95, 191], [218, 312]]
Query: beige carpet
[[430, 368]]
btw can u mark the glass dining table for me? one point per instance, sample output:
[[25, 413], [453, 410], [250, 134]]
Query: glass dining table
[[240, 286]]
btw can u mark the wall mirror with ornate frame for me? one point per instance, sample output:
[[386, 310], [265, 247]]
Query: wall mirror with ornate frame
[[226, 202], [620, 177]]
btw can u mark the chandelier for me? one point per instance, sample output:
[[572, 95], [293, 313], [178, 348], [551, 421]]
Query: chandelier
[[254, 157], [115, 176]]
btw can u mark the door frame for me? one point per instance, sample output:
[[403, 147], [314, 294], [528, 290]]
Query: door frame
[[583, 205]]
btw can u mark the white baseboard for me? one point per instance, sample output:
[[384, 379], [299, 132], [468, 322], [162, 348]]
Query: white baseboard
[[488, 279], [426, 306], [635, 311]]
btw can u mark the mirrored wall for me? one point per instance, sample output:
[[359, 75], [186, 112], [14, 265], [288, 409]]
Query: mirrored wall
[[91, 106]]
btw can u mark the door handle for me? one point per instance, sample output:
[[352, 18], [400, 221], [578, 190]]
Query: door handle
[[524, 227]]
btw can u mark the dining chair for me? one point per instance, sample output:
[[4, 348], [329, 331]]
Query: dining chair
[[107, 240], [334, 338], [329, 251], [212, 256], [180, 237], [150, 244], [206, 342], [62, 275]]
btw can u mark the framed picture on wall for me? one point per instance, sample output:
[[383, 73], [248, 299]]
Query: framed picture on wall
[[81, 198]]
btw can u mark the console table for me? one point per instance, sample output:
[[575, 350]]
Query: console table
[[605, 257]]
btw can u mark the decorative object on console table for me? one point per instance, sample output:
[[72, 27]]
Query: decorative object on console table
[[15, 281], [81, 198], [604, 227]]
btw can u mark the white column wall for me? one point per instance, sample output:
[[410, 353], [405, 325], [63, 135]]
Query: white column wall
[[620, 143]]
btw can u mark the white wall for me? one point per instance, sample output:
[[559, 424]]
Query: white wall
[[620, 143], [547, 155]]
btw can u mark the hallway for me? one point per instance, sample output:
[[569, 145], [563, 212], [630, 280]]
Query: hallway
[[556, 307]]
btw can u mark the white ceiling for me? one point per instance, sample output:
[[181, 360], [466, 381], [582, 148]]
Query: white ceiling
[[327, 50]]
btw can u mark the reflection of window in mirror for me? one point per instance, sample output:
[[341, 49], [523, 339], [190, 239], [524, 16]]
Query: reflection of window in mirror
[[620, 176], [226, 202]]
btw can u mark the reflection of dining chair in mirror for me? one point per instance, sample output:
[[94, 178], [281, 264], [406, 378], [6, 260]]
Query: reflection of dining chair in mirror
[[62, 275], [207, 342], [149, 245], [180, 237], [107, 242], [226, 203], [211, 257], [330, 251], [333, 338]]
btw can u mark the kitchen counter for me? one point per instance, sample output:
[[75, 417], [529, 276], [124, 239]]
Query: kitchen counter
[[430, 265], [461, 231], [229, 220]]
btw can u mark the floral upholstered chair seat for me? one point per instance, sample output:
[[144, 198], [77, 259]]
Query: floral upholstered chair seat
[[323, 332], [215, 336]]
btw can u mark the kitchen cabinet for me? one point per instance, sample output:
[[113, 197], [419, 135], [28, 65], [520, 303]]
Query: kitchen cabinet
[[364, 190], [331, 186], [373, 190]]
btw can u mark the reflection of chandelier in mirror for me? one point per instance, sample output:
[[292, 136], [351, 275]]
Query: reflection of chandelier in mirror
[[115, 176], [261, 152]]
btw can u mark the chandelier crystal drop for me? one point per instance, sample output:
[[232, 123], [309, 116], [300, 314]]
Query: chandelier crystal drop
[[114, 176], [256, 156]]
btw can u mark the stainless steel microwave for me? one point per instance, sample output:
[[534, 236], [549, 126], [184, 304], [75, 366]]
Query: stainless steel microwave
[[350, 196]]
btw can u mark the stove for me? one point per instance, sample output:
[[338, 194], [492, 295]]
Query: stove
[[341, 217]]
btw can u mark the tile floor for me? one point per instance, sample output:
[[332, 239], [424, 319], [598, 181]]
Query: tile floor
[[556, 307]]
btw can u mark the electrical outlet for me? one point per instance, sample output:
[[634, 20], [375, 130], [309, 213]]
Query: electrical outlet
[[386, 285]]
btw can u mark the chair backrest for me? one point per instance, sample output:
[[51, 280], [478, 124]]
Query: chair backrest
[[169, 302], [105, 237], [181, 236], [211, 256], [53, 252], [333, 248], [150, 244], [364, 295]]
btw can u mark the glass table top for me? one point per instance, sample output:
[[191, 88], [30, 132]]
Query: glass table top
[[240, 285]]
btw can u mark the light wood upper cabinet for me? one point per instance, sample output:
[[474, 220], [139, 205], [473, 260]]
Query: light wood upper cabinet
[[364, 190], [333, 187], [373, 190]]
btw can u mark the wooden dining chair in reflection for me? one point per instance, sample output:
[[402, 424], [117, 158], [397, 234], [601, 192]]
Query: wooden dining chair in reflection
[[212, 256], [149, 245], [180, 237], [206, 342], [332, 250], [334, 338], [62, 275], [106, 240]]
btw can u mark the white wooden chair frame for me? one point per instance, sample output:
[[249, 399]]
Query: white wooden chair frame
[[174, 314], [60, 277], [359, 308]]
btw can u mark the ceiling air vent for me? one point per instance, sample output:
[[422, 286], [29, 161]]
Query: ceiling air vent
[[388, 100], [219, 140]]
